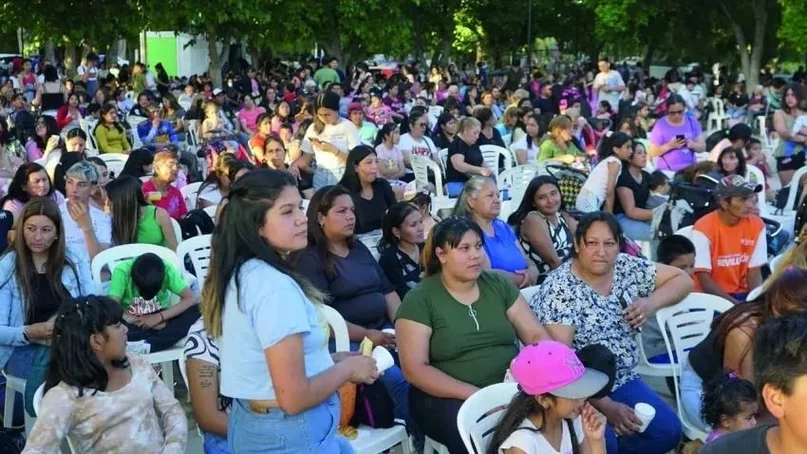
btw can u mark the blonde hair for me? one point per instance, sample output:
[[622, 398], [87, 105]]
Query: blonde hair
[[795, 257], [468, 123]]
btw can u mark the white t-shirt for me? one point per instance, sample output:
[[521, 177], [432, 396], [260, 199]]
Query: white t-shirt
[[212, 194], [267, 307], [343, 135], [74, 236], [597, 181], [611, 79], [531, 441], [93, 72], [532, 150], [423, 147]]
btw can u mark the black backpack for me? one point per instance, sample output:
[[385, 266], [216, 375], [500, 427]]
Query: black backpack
[[374, 407], [195, 223]]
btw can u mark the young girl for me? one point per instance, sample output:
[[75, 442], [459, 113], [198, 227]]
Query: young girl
[[730, 404], [550, 413], [598, 192], [93, 388], [390, 159]]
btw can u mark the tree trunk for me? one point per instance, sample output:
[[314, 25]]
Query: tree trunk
[[751, 61], [217, 58], [70, 59], [50, 52], [647, 58]]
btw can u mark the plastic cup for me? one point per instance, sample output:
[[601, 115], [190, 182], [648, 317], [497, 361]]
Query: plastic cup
[[388, 331], [383, 358], [646, 413]]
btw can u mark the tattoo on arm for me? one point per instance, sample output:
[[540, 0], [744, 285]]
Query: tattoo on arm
[[207, 375]]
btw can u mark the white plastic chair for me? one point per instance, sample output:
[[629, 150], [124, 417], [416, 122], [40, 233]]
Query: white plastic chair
[[371, 241], [443, 156], [14, 385], [114, 161], [431, 446], [211, 211], [177, 230], [112, 257], [685, 231], [775, 261], [92, 143], [717, 116], [753, 294], [38, 396], [688, 322], [648, 369], [421, 166], [198, 249], [517, 178], [183, 370], [491, 154], [369, 441], [759, 177], [794, 187], [189, 194], [480, 414]]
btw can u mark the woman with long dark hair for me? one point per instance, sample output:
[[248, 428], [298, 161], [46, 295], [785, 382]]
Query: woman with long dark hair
[[217, 184], [135, 221], [109, 133], [36, 275], [44, 140], [632, 193], [526, 149], [599, 190], [274, 361], [139, 164], [445, 131], [458, 329], [543, 227], [730, 343], [339, 265], [93, 388], [31, 180], [400, 244], [790, 151], [372, 195]]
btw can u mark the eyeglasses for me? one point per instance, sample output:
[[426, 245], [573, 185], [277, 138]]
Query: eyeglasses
[[675, 112], [421, 125]]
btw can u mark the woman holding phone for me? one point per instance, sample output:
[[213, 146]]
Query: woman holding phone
[[676, 137]]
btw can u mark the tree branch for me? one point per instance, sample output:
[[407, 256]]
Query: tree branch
[[739, 35]]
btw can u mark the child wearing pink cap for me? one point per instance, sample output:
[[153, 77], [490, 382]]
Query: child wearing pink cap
[[550, 415]]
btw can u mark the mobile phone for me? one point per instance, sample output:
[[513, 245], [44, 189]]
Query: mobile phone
[[680, 137]]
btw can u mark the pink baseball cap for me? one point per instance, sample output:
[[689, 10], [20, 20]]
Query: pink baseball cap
[[550, 367]]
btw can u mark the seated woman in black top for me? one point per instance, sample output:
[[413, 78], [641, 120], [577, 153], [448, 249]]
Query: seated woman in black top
[[371, 195], [445, 132], [465, 157], [632, 192], [489, 135], [344, 268], [400, 246]]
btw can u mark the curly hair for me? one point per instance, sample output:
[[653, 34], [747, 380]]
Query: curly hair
[[724, 396]]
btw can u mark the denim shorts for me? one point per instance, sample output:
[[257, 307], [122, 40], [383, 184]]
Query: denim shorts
[[312, 431]]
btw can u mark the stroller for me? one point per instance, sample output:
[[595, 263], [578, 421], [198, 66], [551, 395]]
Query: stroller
[[570, 182]]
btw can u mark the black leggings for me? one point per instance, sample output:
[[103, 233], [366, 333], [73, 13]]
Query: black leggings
[[437, 417], [175, 330]]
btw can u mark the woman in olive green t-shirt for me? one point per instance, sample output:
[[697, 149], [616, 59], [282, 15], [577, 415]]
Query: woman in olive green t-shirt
[[457, 331]]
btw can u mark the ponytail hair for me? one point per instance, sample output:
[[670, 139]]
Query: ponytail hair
[[611, 141], [522, 406]]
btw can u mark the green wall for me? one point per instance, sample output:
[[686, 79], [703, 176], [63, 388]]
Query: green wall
[[162, 50]]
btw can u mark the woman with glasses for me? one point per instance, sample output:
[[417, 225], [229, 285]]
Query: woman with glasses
[[415, 142], [676, 137]]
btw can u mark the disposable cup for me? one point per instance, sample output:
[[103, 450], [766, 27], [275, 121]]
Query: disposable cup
[[383, 358], [646, 413]]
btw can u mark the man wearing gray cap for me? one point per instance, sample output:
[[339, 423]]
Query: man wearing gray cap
[[730, 243], [87, 229]]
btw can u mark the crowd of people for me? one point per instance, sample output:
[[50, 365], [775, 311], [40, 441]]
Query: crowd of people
[[310, 172]]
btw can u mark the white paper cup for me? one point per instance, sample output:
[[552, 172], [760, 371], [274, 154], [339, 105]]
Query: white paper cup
[[383, 358], [645, 413], [388, 331]]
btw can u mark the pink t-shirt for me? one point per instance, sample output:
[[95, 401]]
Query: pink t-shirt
[[250, 117], [379, 115], [172, 201], [15, 206]]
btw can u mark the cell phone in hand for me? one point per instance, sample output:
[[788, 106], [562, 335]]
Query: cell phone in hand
[[680, 137]]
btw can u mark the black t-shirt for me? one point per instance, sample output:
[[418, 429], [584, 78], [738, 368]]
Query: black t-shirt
[[46, 302], [641, 191], [473, 156], [750, 441], [370, 213], [441, 141], [738, 99], [547, 106], [495, 139]]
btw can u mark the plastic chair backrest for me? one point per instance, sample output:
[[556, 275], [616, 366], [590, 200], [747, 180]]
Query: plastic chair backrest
[[685, 231], [491, 154], [371, 242], [114, 161], [529, 292], [688, 323], [518, 178], [794, 187], [338, 326], [508, 140], [189, 193], [177, 230], [421, 166], [443, 156], [198, 249], [193, 133], [480, 414], [759, 178], [112, 257], [211, 211]]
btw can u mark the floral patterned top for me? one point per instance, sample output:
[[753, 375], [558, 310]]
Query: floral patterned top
[[564, 299], [142, 417]]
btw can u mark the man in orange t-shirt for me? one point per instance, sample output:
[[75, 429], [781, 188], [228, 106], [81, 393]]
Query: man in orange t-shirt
[[730, 244]]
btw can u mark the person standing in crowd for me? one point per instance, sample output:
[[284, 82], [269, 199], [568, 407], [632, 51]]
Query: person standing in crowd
[[603, 296], [88, 73], [790, 151], [87, 229], [328, 140], [94, 388], [274, 356], [676, 137], [608, 83], [730, 242], [457, 329]]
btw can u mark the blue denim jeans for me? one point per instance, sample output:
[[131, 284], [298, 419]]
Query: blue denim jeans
[[633, 229], [661, 436], [312, 431], [215, 444], [692, 396]]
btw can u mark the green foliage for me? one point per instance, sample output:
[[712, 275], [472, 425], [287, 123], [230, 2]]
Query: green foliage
[[794, 24]]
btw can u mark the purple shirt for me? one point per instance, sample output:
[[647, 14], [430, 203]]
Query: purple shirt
[[677, 158], [394, 104]]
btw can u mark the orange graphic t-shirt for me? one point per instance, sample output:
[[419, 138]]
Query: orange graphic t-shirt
[[727, 252]]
